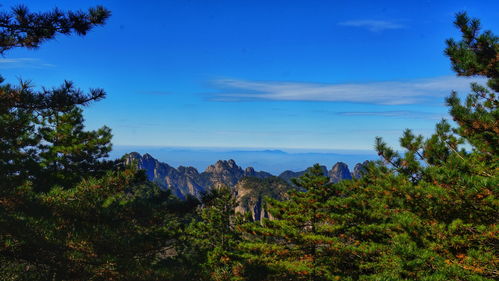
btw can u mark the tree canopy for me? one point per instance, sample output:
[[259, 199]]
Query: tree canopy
[[65, 212]]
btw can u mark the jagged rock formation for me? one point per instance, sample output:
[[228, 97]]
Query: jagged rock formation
[[185, 181], [228, 173], [251, 192], [182, 182], [360, 169], [223, 173], [339, 172]]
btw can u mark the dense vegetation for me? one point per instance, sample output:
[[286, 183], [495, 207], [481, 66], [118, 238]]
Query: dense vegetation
[[429, 213]]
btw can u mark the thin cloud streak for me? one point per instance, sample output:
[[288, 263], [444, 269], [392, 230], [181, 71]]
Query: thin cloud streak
[[372, 25], [23, 62], [384, 93]]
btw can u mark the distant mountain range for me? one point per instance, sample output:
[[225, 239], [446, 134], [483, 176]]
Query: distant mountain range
[[250, 186]]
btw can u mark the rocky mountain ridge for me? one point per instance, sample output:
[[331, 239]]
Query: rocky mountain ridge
[[187, 181], [249, 186]]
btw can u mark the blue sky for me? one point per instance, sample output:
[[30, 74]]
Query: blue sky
[[266, 74]]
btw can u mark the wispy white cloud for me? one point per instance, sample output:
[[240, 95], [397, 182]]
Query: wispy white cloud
[[372, 25], [386, 93], [23, 63]]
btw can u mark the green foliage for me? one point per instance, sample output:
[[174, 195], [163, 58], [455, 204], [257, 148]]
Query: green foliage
[[475, 54], [446, 193], [67, 153], [101, 229], [428, 213], [65, 214], [22, 28], [23, 108], [214, 236], [298, 243]]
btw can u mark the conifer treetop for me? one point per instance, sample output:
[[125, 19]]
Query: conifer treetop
[[22, 28]]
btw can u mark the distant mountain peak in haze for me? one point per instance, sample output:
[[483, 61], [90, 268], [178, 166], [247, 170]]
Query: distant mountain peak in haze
[[277, 151]]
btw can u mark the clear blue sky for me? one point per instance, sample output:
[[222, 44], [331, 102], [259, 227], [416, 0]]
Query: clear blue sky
[[272, 74]]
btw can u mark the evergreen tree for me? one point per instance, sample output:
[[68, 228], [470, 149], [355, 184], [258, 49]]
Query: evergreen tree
[[429, 213], [116, 227], [24, 111], [22, 28], [23, 215], [67, 153], [299, 242], [65, 214], [441, 198], [214, 236]]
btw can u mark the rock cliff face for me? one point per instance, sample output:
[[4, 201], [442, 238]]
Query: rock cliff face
[[182, 182], [223, 173], [339, 172], [251, 192], [185, 181]]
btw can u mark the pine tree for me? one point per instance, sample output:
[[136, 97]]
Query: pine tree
[[22, 28], [64, 213], [445, 195], [214, 236], [67, 153], [299, 243], [22, 108], [116, 227], [429, 213], [23, 215]]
